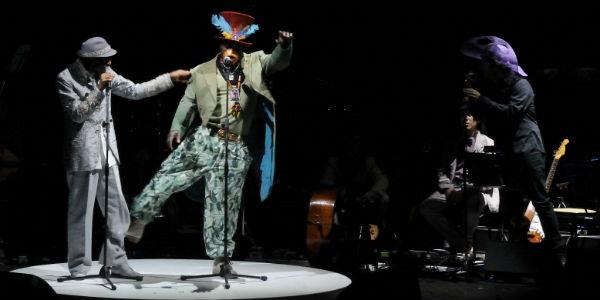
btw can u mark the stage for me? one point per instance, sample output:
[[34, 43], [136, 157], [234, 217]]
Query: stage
[[162, 281]]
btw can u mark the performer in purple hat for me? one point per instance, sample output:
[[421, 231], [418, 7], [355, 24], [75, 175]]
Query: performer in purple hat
[[506, 99]]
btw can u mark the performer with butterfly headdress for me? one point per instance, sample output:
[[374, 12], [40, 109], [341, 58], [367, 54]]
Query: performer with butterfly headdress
[[238, 80]]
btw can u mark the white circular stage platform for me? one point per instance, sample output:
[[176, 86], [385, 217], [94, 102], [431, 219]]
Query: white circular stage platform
[[161, 281]]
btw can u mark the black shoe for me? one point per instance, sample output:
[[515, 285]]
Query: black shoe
[[76, 276], [461, 259], [122, 271]]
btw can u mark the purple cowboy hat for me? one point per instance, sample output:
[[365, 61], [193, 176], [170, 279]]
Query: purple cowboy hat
[[495, 48]]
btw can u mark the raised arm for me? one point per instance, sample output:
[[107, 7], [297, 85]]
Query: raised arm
[[281, 56], [126, 88]]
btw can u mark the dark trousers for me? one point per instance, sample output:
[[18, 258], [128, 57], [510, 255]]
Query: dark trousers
[[447, 218], [525, 178]]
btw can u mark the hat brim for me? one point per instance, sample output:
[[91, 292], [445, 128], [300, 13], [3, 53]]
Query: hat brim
[[233, 42], [109, 53], [521, 72]]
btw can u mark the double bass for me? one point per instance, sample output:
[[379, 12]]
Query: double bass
[[320, 222], [320, 219]]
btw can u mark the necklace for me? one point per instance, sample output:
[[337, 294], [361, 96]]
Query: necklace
[[233, 85]]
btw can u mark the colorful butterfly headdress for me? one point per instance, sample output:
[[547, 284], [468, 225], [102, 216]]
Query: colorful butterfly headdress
[[234, 26]]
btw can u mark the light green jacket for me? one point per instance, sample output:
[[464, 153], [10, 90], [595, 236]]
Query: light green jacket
[[200, 100]]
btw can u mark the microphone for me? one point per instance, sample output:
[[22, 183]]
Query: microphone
[[108, 82], [227, 60]]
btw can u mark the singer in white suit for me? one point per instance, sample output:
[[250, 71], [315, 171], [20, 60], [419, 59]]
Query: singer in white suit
[[84, 89]]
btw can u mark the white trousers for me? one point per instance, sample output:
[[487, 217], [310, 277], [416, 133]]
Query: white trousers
[[84, 188]]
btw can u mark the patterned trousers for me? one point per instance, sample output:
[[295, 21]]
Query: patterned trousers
[[200, 156]]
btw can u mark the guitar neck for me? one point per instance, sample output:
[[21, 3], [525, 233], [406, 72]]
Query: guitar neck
[[551, 174], [530, 211]]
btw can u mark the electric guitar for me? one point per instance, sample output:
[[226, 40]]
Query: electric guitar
[[535, 233]]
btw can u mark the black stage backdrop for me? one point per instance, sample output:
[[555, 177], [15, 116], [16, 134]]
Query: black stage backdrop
[[392, 75]]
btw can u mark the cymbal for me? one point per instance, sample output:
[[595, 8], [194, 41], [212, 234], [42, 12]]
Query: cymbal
[[574, 210]]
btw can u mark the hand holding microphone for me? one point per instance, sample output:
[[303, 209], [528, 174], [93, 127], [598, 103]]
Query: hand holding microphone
[[470, 93], [105, 80]]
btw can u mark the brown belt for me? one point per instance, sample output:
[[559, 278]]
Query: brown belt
[[220, 133]]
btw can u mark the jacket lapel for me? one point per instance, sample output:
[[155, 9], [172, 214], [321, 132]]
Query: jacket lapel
[[209, 80], [247, 68]]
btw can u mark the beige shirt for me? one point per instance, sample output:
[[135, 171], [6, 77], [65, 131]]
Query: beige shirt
[[218, 116]]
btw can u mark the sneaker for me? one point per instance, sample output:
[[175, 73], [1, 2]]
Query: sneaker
[[228, 269], [219, 267], [136, 231], [219, 261]]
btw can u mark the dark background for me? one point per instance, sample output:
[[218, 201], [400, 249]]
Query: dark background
[[392, 75]]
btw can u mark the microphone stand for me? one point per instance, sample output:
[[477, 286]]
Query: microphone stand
[[105, 270], [466, 203], [226, 270]]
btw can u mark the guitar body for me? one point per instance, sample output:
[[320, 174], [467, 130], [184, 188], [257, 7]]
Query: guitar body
[[320, 219]]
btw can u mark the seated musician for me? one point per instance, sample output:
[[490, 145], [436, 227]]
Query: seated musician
[[447, 209], [361, 187]]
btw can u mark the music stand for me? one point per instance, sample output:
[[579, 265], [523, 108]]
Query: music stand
[[482, 170], [226, 271]]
